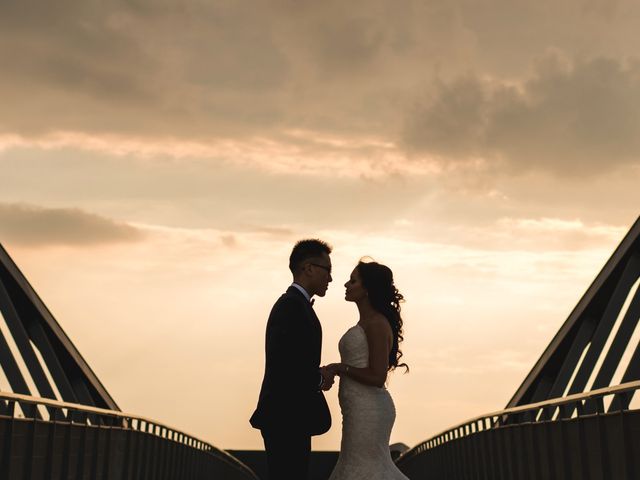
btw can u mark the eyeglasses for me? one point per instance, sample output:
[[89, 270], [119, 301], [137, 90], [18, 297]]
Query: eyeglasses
[[324, 267]]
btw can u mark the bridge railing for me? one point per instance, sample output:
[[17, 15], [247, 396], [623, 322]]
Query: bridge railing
[[590, 435], [49, 439]]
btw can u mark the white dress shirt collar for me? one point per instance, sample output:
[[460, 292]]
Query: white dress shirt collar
[[304, 292]]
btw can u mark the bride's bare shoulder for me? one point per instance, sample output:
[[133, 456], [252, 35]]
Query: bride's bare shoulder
[[378, 324]]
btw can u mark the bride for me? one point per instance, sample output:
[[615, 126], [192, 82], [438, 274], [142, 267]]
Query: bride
[[368, 350]]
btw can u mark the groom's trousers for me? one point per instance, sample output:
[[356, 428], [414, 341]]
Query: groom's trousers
[[287, 454]]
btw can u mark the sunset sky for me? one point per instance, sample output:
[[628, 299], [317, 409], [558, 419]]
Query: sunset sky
[[158, 160]]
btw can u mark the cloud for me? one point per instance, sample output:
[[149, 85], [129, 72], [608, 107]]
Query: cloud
[[194, 69], [279, 232], [559, 234], [35, 226], [206, 77], [209, 69], [569, 117], [137, 66], [290, 152]]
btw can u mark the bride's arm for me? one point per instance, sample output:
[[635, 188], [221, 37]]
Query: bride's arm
[[376, 373]]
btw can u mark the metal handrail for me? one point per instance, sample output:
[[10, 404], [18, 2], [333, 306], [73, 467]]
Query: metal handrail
[[47, 402], [555, 402], [176, 435]]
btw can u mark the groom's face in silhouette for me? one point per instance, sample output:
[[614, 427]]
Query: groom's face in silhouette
[[318, 271]]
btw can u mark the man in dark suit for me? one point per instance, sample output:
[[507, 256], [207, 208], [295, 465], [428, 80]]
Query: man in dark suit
[[291, 407]]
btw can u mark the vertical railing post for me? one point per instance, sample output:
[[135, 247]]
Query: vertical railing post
[[627, 442], [107, 451], [127, 454], [485, 452], [173, 455], [96, 447], [48, 461], [547, 425], [66, 450], [584, 454], [446, 469], [29, 457], [153, 455], [605, 464], [148, 445], [8, 441], [494, 454], [505, 458], [474, 439], [534, 458], [192, 458], [139, 456], [564, 445], [82, 445], [464, 435], [180, 455], [522, 470], [165, 454], [457, 469]]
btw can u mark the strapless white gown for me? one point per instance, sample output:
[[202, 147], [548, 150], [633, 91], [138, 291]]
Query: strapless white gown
[[368, 414]]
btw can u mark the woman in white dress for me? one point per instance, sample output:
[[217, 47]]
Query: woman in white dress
[[368, 351]]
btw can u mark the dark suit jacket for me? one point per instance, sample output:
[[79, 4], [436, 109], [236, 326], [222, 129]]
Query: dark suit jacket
[[290, 397]]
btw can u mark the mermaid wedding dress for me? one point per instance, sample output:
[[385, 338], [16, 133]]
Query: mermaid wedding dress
[[368, 414]]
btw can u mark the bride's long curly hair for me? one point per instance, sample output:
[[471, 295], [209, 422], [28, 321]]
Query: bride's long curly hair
[[385, 298]]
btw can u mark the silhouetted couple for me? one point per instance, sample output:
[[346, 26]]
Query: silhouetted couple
[[292, 408]]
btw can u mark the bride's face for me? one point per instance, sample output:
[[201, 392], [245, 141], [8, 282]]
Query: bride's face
[[354, 290]]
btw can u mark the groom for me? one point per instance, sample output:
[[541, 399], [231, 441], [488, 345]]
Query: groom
[[291, 407]]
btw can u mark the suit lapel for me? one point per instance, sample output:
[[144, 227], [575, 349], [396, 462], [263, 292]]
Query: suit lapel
[[311, 314]]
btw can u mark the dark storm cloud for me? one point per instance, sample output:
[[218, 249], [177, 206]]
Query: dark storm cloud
[[570, 117], [222, 68], [136, 67], [32, 225], [72, 46], [196, 70]]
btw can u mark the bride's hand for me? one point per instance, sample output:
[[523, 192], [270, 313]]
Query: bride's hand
[[337, 368], [329, 369]]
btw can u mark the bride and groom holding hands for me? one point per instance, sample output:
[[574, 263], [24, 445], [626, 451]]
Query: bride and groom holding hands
[[291, 406]]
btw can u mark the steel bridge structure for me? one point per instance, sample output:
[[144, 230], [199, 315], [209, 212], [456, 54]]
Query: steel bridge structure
[[573, 417], [58, 422]]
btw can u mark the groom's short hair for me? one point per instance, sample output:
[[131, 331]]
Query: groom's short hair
[[306, 249]]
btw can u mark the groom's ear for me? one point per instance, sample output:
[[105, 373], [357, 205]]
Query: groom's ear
[[305, 268], [302, 270]]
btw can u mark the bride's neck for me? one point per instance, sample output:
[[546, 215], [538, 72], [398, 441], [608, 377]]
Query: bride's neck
[[365, 309]]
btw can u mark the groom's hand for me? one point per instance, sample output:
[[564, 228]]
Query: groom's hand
[[327, 378]]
